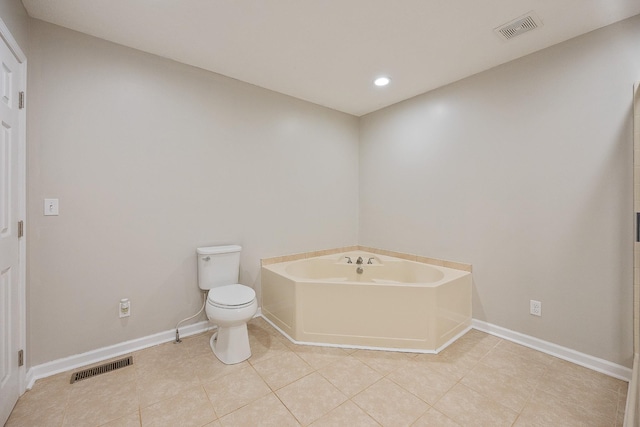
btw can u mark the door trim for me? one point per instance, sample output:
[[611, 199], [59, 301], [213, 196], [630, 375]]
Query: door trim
[[11, 42], [631, 409], [635, 111]]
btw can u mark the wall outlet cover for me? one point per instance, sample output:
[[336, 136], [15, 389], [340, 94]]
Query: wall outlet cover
[[535, 308]]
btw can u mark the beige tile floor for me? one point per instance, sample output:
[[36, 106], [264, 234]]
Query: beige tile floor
[[480, 380]]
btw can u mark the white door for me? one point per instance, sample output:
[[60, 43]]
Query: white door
[[10, 301]]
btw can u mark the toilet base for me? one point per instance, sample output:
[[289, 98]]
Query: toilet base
[[230, 344]]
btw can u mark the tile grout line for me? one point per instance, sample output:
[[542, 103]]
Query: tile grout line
[[286, 407], [530, 396], [459, 382], [274, 391], [548, 369]]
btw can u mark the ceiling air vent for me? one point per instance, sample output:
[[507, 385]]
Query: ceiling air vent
[[518, 26]]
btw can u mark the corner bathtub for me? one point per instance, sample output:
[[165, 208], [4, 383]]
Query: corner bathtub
[[394, 304]]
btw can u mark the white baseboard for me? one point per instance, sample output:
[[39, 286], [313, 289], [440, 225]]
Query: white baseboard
[[573, 356], [94, 356]]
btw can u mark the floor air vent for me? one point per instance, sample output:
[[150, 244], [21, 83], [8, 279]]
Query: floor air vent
[[97, 370], [518, 26]]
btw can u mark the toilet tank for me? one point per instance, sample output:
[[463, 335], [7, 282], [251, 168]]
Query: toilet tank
[[218, 266]]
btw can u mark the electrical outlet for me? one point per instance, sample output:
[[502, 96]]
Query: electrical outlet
[[535, 308], [125, 308]]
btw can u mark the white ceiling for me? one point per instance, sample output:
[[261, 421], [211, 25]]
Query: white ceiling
[[329, 51]]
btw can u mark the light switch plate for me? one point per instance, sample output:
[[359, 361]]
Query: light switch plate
[[51, 206]]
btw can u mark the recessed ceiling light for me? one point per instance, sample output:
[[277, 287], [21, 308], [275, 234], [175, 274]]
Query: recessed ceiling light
[[381, 81]]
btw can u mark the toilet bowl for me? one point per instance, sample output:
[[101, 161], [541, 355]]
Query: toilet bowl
[[231, 307]]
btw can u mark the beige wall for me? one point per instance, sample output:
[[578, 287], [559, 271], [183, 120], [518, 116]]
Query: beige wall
[[151, 159], [15, 16], [526, 172]]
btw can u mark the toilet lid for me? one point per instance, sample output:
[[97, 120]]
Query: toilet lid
[[231, 295]]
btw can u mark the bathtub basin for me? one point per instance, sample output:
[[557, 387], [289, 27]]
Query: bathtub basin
[[394, 304]]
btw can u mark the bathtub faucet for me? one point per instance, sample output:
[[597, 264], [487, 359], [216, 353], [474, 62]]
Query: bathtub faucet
[[349, 260], [369, 262], [359, 260]]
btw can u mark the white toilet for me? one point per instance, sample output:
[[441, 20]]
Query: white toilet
[[229, 304]]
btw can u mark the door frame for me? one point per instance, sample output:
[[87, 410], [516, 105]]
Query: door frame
[[636, 209], [11, 42]]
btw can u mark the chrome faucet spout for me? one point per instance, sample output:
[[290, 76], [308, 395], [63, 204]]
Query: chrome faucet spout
[[359, 260], [369, 262], [349, 260]]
